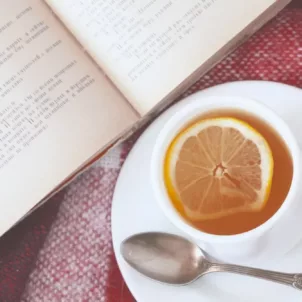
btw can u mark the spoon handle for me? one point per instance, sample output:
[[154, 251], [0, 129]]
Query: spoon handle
[[294, 280]]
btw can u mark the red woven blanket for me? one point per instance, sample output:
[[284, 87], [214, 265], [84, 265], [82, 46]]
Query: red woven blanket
[[63, 252]]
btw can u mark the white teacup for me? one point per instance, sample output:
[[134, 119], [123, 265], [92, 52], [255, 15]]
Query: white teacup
[[274, 237]]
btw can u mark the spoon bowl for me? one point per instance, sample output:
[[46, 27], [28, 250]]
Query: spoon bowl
[[164, 257], [175, 260]]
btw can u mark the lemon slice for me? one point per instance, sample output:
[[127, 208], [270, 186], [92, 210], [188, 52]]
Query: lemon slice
[[218, 167]]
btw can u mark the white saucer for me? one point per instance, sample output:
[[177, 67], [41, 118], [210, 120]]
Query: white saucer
[[134, 210]]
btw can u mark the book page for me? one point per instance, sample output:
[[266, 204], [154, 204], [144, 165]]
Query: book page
[[148, 47], [57, 109]]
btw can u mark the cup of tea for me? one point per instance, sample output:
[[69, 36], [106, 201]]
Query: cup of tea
[[226, 172]]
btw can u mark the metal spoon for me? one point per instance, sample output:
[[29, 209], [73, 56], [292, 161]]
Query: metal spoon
[[175, 260]]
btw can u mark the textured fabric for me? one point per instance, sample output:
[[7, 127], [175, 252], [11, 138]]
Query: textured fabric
[[76, 261]]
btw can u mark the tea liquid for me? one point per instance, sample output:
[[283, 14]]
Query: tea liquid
[[282, 178]]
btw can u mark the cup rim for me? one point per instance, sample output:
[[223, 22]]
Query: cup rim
[[195, 107]]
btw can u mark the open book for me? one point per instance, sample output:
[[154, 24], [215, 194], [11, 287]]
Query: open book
[[76, 76]]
